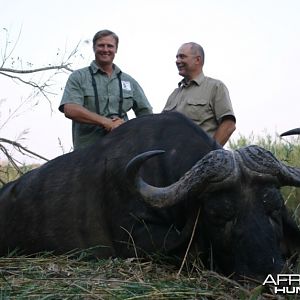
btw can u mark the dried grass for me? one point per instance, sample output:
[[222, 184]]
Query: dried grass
[[62, 277]]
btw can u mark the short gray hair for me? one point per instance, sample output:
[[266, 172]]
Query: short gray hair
[[197, 50], [103, 33]]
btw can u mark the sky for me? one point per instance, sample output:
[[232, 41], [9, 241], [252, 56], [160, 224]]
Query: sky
[[253, 46]]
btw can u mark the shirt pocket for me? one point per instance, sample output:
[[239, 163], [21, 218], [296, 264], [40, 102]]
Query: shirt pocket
[[197, 108], [89, 99], [127, 101]]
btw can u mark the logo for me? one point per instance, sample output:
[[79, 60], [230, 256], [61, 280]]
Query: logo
[[284, 283], [126, 85]]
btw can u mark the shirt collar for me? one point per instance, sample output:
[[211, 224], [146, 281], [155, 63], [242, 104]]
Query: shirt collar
[[197, 80], [96, 68]]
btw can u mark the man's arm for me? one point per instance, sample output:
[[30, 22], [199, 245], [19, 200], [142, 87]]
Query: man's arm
[[224, 131], [141, 105], [80, 114]]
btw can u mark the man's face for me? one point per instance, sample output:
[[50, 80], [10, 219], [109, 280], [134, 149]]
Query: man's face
[[187, 63], [105, 49]]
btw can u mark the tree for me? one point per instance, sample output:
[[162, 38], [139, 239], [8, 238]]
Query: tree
[[39, 80]]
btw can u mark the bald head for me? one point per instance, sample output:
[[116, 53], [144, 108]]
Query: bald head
[[195, 49], [189, 60]]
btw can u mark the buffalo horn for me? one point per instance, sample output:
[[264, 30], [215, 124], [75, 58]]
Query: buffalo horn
[[260, 164], [216, 169], [291, 132]]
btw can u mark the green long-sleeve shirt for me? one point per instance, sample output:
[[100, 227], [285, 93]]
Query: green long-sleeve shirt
[[79, 90]]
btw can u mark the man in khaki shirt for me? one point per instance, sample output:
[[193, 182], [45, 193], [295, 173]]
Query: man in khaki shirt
[[203, 99]]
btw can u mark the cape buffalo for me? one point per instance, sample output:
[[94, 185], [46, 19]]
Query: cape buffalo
[[222, 203]]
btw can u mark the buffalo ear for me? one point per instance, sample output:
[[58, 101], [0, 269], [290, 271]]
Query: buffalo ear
[[291, 234]]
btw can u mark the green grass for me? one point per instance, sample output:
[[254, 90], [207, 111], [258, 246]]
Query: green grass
[[10, 172]]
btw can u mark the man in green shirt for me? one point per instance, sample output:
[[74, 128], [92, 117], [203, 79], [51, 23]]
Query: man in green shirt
[[203, 99], [97, 98]]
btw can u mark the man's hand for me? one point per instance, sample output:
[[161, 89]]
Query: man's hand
[[80, 114], [113, 123]]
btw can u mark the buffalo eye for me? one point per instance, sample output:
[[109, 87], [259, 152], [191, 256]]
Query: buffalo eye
[[272, 200], [219, 207]]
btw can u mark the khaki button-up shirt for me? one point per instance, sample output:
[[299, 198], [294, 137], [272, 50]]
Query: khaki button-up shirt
[[204, 100]]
